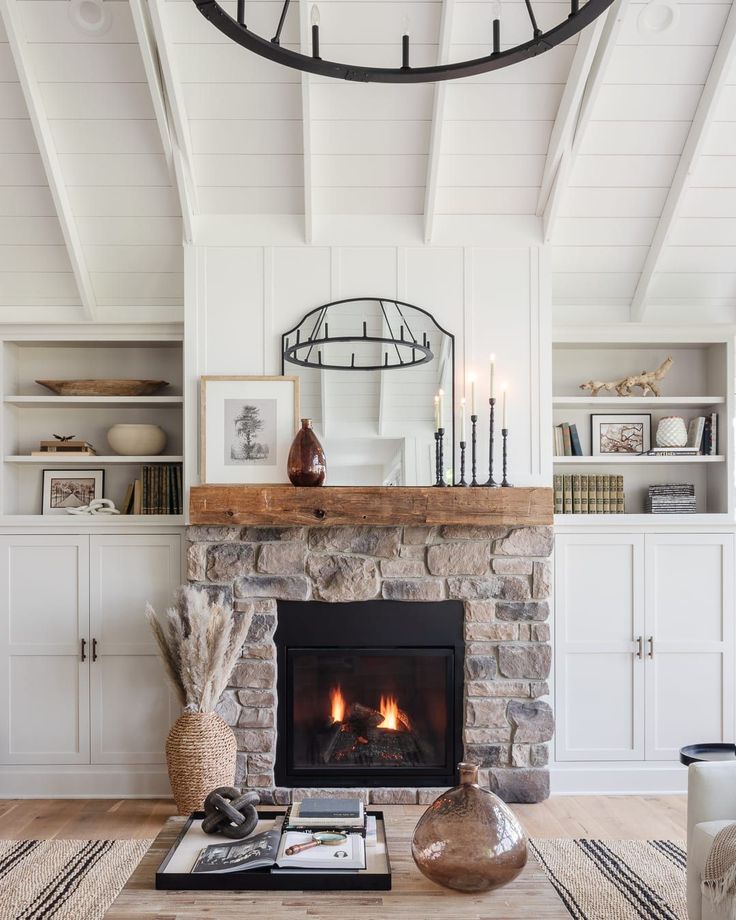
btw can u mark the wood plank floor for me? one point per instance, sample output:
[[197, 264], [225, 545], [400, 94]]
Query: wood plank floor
[[625, 817]]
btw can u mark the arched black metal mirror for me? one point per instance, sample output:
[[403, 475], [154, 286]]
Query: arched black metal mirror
[[369, 370]]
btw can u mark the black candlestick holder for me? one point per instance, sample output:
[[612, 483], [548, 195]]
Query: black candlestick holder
[[462, 465], [491, 483], [473, 424], [505, 434], [437, 458], [440, 435]]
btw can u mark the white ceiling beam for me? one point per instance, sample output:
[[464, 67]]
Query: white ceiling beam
[[175, 116], [569, 108], [604, 49], [712, 90], [431, 185], [305, 33], [18, 43], [151, 64]]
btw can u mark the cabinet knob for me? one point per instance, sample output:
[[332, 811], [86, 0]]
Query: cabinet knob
[[640, 646], [83, 655]]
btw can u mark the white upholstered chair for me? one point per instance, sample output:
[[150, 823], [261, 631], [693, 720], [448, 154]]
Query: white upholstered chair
[[711, 805]]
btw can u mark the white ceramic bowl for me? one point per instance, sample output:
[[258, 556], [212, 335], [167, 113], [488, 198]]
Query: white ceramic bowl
[[136, 440]]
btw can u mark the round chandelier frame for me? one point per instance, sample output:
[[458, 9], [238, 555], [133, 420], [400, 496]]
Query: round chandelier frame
[[580, 16]]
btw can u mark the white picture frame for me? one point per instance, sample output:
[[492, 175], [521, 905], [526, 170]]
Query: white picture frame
[[620, 433], [247, 425], [64, 488]]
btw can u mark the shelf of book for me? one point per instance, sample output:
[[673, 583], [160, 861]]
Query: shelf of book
[[629, 520], [60, 459], [636, 402], [76, 522]]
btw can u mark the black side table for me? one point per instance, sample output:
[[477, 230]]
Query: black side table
[[699, 753]]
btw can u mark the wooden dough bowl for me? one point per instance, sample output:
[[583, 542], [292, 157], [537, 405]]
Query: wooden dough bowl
[[104, 387]]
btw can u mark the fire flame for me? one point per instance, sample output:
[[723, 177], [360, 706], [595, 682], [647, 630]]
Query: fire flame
[[337, 704], [389, 709]]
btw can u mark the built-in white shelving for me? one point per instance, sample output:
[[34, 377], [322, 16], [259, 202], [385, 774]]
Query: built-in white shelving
[[699, 382], [30, 413]]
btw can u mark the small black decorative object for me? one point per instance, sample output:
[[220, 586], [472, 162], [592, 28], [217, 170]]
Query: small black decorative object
[[64, 437], [491, 438], [439, 436], [504, 434], [271, 48], [230, 812], [473, 464], [462, 465]]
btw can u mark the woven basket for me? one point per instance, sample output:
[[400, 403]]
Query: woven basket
[[200, 755]]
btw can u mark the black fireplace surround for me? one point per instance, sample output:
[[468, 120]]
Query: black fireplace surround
[[369, 693]]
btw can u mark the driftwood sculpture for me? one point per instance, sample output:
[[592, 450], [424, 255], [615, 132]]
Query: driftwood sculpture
[[646, 382]]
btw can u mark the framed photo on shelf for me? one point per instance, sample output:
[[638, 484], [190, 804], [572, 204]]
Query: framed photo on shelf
[[64, 489], [620, 433], [247, 425]]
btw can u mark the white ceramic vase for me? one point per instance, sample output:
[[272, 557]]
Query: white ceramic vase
[[136, 440], [671, 432]]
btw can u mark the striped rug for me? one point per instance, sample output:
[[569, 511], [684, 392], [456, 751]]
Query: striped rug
[[64, 879], [617, 879]]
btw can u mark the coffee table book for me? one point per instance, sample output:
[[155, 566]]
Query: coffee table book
[[174, 873]]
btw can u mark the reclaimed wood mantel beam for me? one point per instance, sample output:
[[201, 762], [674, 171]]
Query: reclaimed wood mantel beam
[[370, 505]]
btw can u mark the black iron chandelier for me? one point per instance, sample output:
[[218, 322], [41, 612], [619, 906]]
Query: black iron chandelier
[[397, 344], [580, 16]]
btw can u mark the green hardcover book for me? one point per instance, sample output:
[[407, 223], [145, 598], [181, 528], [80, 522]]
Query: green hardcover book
[[557, 485], [576, 494], [606, 494], [567, 494], [599, 494], [583, 494]]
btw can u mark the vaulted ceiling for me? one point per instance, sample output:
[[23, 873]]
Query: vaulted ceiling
[[618, 148]]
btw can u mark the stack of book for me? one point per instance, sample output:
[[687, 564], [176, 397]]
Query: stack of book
[[671, 498], [316, 834], [581, 494], [69, 448], [158, 491], [702, 439], [567, 441]]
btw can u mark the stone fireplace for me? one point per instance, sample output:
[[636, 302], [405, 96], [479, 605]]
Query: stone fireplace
[[499, 578]]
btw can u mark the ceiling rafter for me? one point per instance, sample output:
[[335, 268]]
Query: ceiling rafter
[[304, 30], [431, 187], [716, 80], [151, 64], [18, 43], [175, 114], [592, 87], [569, 108]]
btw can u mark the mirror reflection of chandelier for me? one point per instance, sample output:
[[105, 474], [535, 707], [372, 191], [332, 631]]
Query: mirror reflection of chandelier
[[360, 334], [236, 29]]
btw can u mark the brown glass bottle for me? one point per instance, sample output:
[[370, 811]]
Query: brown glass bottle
[[468, 839], [307, 465]]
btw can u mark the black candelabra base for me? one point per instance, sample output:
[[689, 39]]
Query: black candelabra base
[[491, 482], [473, 470], [505, 435], [440, 457], [462, 481]]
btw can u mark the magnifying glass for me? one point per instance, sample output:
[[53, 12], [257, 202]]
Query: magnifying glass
[[322, 839]]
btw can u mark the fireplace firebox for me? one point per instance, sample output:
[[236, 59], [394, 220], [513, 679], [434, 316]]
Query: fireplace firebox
[[369, 693]]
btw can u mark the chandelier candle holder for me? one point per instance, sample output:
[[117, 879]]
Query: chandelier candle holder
[[580, 16]]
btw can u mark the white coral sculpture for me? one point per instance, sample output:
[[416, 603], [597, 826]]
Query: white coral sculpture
[[199, 640]]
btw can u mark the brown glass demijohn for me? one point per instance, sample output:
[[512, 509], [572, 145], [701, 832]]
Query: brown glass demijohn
[[307, 465], [468, 839]]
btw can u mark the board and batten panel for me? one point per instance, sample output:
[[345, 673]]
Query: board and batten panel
[[599, 678], [44, 616], [132, 707], [491, 300], [690, 674]]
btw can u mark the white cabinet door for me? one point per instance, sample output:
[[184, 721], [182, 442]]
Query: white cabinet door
[[690, 619], [131, 706], [599, 619], [44, 617]]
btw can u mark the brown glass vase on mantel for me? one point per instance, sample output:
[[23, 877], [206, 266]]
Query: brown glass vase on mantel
[[306, 464], [468, 839]]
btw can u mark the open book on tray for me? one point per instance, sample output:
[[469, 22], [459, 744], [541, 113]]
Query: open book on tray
[[267, 850]]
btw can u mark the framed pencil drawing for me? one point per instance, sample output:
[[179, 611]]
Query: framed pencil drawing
[[620, 433]]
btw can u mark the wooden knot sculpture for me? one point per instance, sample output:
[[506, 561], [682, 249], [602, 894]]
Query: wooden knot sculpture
[[230, 812], [646, 381]]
